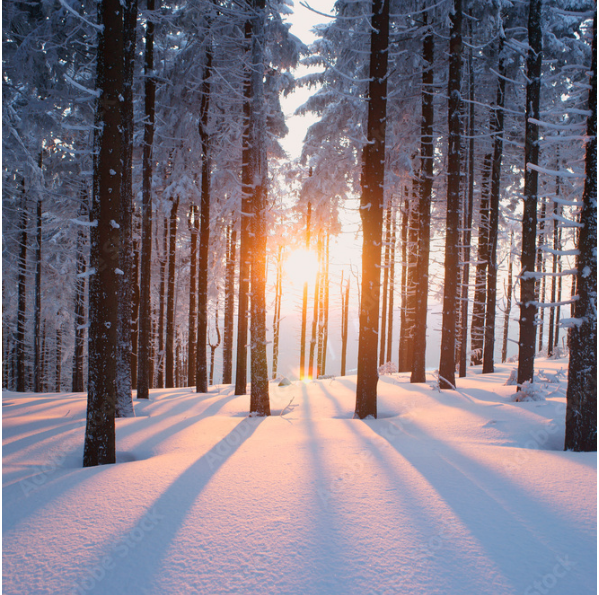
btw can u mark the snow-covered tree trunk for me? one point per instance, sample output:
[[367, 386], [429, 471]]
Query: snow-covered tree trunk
[[508, 300], [424, 206], [144, 366], [79, 305], [99, 446], [371, 211], [393, 242], [37, 309], [124, 404], [581, 413], [528, 307], [450, 291], [204, 238], [494, 198]]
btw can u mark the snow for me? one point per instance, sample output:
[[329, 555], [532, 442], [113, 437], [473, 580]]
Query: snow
[[454, 492]]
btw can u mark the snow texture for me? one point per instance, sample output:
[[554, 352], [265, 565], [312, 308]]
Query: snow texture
[[454, 493]]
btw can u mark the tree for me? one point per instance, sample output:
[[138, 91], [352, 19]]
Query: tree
[[581, 412], [371, 211], [99, 447], [145, 306], [448, 333], [528, 306]]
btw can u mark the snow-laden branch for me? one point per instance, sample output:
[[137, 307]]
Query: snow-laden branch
[[566, 222], [73, 11], [551, 172], [539, 275], [93, 223], [94, 92], [576, 126], [87, 273], [547, 249], [556, 304]]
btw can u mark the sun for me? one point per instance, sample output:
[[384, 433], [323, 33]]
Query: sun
[[301, 266]]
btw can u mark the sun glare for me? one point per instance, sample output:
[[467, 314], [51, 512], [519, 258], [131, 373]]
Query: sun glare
[[301, 266]]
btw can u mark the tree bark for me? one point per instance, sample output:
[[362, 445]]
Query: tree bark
[[393, 243], [528, 307], [581, 411], [229, 322], [22, 296], [170, 302], [424, 207], [302, 373], [497, 131], [371, 211], [276, 323], [450, 292], [194, 228], [145, 305], [99, 446], [37, 315], [124, 403], [204, 248]]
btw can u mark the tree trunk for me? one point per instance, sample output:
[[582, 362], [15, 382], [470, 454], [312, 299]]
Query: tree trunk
[[245, 238], [162, 302], [385, 289], [37, 369], [313, 337], [402, 365], [194, 227], [145, 304], [229, 322], [581, 412], [22, 296], [276, 323], [99, 447], [134, 312], [393, 243], [541, 268], [77, 385], [424, 207], [302, 373], [555, 257], [477, 332], [497, 131], [450, 292], [57, 383], [325, 319], [463, 363], [508, 306], [170, 304], [203, 256], [371, 211], [528, 307], [344, 322], [124, 403]]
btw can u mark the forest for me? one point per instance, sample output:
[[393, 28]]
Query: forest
[[388, 332], [147, 201]]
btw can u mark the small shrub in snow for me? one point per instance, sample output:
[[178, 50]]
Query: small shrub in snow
[[529, 391], [388, 368], [513, 379]]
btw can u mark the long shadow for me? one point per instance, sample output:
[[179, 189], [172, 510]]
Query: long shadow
[[173, 505], [471, 490], [341, 414]]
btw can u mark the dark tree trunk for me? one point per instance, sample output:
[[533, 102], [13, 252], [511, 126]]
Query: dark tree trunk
[[245, 238], [555, 258], [344, 322], [302, 373], [313, 337], [276, 323], [170, 302], [22, 296], [134, 312], [497, 131], [371, 211], [203, 256], [581, 412], [528, 307], [402, 365], [229, 322], [145, 305], [124, 403], [410, 288], [77, 385], [162, 302], [57, 383], [99, 447], [194, 228], [385, 289], [540, 267], [463, 363], [213, 348], [480, 277], [37, 315], [424, 207], [450, 292], [393, 242], [508, 305]]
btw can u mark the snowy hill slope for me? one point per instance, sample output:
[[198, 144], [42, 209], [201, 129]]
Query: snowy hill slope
[[460, 492]]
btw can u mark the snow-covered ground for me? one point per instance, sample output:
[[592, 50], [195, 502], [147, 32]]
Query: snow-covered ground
[[446, 493]]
